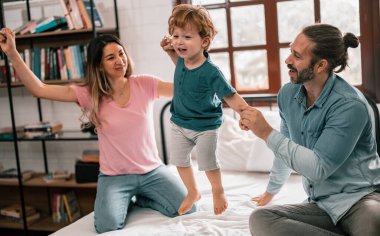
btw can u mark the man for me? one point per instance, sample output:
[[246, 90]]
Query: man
[[326, 136]]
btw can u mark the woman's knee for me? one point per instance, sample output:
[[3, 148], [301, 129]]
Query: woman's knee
[[108, 222]]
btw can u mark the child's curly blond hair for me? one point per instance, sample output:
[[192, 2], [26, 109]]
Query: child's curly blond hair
[[187, 14]]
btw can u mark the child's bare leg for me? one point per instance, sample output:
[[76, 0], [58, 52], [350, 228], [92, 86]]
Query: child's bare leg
[[193, 195], [220, 200]]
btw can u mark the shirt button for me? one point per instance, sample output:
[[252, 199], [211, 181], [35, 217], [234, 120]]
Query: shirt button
[[301, 132], [310, 186]]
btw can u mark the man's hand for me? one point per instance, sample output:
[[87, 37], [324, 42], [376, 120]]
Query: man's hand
[[262, 199], [254, 120]]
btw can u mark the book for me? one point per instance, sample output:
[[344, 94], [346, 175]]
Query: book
[[49, 24], [44, 126], [70, 8], [11, 175], [55, 205], [30, 219], [29, 27], [15, 210], [98, 21], [67, 15], [57, 176], [22, 27], [90, 155], [40, 135], [84, 15], [7, 132], [71, 206]]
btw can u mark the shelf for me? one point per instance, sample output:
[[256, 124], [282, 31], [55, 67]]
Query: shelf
[[63, 33], [67, 135], [55, 38], [36, 191], [10, 225], [45, 223], [37, 181], [19, 84]]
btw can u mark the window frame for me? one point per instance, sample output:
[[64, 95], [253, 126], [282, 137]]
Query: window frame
[[369, 11]]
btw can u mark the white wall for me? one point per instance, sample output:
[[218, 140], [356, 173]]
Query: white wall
[[142, 25]]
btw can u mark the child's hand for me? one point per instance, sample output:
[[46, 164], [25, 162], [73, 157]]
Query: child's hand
[[243, 127], [166, 44]]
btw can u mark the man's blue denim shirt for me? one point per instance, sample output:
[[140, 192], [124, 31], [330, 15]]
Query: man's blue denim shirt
[[331, 144]]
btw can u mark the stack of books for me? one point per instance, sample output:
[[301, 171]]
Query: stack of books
[[77, 15], [57, 176], [14, 213], [42, 129], [44, 24], [11, 175], [7, 132], [90, 155]]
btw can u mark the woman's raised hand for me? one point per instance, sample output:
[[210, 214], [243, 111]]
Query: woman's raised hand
[[7, 41]]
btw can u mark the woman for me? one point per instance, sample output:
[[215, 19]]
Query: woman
[[119, 104]]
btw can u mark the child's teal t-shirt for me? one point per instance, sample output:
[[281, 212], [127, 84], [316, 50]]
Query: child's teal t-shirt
[[197, 96]]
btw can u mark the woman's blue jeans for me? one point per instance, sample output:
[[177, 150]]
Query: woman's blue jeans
[[158, 189]]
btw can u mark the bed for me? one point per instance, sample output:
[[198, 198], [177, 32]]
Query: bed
[[239, 188], [245, 162]]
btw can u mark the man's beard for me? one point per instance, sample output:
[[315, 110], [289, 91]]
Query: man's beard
[[302, 76]]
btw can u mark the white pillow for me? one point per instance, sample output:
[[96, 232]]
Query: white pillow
[[241, 150]]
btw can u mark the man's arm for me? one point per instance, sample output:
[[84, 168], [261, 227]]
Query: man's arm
[[278, 176]]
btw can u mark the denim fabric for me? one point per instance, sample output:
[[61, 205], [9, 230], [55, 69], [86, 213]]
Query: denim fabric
[[363, 219], [158, 189]]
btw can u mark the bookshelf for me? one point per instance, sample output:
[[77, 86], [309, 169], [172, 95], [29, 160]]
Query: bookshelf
[[36, 191]]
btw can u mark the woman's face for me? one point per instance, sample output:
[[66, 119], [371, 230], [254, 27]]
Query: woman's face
[[114, 61]]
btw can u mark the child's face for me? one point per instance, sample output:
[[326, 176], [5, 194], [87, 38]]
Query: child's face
[[187, 42], [114, 61]]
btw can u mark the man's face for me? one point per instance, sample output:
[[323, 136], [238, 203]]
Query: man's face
[[302, 75], [299, 61]]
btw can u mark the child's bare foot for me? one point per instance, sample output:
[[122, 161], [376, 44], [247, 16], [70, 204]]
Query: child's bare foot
[[188, 202], [220, 203]]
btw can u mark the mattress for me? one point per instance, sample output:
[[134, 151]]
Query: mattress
[[239, 188]]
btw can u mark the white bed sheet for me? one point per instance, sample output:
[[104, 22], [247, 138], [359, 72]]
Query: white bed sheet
[[239, 188]]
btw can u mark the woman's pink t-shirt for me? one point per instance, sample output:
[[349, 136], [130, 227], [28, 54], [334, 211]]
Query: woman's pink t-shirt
[[126, 137]]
